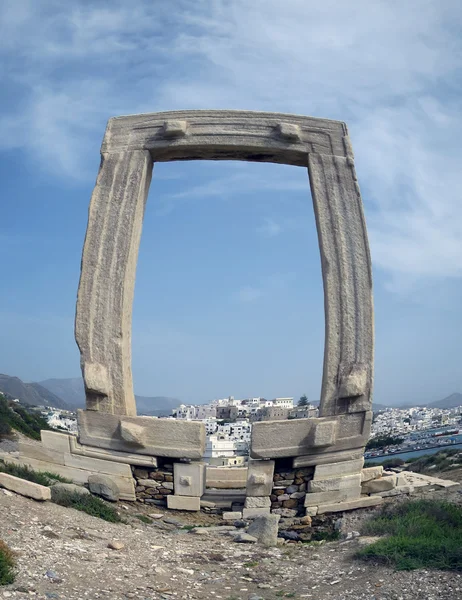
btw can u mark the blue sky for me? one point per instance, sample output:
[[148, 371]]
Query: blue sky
[[228, 297]]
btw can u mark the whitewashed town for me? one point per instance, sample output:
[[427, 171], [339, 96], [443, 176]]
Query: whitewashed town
[[228, 423]]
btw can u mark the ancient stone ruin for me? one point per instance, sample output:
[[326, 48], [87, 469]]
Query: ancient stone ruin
[[307, 466]]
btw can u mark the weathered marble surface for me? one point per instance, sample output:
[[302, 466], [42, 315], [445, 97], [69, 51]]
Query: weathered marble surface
[[103, 319]]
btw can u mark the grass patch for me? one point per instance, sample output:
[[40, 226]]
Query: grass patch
[[144, 519], [325, 536], [7, 564], [86, 503], [419, 534], [14, 416], [24, 472], [251, 564]]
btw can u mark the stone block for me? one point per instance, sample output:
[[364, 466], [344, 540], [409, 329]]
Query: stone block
[[58, 488], [384, 484], [191, 503], [189, 478], [311, 511], [316, 498], [149, 483], [265, 529], [104, 486], [39, 452], [96, 465], [348, 467], [334, 483], [226, 477], [24, 487], [79, 476], [296, 437], [128, 458], [363, 502], [162, 437], [260, 477], [233, 515], [55, 441], [252, 513], [327, 458], [370, 473], [397, 491], [257, 502]]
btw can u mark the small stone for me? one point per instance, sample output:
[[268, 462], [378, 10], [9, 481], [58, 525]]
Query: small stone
[[291, 503], [104, 486], [155, 515], [115, 545], [306, 520], [239, 523], [245, 538]]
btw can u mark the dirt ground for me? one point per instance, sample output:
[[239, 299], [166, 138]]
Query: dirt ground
[[64, 554]]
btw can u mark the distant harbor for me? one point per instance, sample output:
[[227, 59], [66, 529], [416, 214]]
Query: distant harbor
[[414, 453]]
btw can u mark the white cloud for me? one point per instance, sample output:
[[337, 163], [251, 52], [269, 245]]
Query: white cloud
[[391, 70]]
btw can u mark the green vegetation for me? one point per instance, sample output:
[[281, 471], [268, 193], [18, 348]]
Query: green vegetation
[[89, 504], [144, 519], [445, 460], [383, 441], [419, 534], [7, 564], [23, 472], [326, 536], [303, 401], [250, 565], [15, 416], [386, 464]]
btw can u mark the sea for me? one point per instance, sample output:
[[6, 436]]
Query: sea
[[416, 453]]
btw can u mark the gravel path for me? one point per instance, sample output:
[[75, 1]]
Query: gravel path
[[64, 554]]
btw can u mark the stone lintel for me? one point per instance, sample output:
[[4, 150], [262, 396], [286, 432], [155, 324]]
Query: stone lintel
[[161, 437], [277, 439]]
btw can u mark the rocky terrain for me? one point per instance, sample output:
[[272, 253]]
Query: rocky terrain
[[66, 554]]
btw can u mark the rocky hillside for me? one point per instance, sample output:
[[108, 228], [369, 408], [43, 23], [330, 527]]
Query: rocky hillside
[[30, 393], [14, 417]]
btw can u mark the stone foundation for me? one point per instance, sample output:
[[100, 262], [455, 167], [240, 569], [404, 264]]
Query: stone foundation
[[153, 485], [289, 491]]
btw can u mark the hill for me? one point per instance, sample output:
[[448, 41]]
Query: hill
[[73, 393], [70, 390], [15, 416], [30, 393], [451, 401]]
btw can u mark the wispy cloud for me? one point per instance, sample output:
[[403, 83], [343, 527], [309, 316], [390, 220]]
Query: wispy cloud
[[391, 71]]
